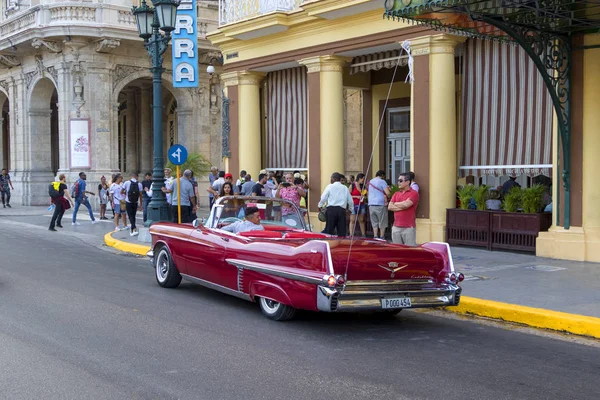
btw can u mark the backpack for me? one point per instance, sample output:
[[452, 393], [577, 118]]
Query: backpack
[[133, 194], [52, 192], [74, 189]]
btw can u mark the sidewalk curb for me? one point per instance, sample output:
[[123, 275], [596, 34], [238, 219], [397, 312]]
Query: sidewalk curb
[[535, 317], [133, 248]]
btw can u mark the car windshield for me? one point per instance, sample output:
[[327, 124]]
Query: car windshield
[[273, 212]]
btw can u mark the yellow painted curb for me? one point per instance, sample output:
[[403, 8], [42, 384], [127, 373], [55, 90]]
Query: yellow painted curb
[[536, 317], [124, 246]]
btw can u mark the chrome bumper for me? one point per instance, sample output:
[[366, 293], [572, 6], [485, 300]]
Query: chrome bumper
[[150, 255], [345, 300]]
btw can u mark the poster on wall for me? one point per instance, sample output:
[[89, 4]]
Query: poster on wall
[[80, 155]]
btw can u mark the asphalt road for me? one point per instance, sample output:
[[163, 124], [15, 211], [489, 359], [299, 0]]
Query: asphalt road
[[79, 322]]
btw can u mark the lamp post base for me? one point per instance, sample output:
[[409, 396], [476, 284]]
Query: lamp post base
[[160, 212]]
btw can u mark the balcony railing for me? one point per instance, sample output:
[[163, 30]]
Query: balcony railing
[[231, 11]]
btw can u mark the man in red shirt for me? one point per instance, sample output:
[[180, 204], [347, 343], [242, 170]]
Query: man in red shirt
[[404, 205]]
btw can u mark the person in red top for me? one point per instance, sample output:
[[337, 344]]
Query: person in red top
[[404, 205]]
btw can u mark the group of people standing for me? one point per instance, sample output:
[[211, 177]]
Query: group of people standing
[[338, 201]]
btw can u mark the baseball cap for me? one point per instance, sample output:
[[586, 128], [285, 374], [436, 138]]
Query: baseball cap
[[228, 175]]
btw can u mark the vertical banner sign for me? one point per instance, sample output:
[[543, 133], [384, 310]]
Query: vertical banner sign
[[185, 46], [79, 143]]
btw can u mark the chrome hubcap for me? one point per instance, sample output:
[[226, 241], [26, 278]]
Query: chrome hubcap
[[270, 305], [162, 266]]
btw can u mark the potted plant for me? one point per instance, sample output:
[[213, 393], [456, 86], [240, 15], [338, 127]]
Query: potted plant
[[481, 196], [465, 194], [532, 199], [512, 200]]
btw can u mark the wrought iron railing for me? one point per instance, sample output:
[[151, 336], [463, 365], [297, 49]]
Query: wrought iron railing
[[231, 11]]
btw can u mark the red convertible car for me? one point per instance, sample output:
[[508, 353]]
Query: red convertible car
[[284, 266]]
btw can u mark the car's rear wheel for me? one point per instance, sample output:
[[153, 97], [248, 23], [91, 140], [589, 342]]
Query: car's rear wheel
[[275, 310], [166, 272]]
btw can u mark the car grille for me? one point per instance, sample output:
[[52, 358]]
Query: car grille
[[457, 297], [334, 303]]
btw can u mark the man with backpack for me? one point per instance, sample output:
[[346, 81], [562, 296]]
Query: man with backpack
[[133, 200], [78, 193], [57, 192]]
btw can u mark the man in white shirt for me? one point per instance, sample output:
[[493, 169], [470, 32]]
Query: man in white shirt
[[339, 202], [252, 222], [168, 183]]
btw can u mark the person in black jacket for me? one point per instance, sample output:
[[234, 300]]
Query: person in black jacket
[[62, 202]]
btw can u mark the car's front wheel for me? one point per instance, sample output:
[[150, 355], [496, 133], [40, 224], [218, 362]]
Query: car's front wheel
[[275, 310], [167, 275]]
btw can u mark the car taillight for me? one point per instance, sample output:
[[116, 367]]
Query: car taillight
[[340, 280], [331, 281], [461, 277]]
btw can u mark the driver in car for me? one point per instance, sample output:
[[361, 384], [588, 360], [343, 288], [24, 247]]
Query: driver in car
[[251, 223]]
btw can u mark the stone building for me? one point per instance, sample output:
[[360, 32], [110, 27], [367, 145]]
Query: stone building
[[74, 75]]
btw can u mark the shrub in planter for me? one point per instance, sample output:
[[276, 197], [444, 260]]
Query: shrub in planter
[[465, 194], [481, 196], [532, 199], [512, 200]]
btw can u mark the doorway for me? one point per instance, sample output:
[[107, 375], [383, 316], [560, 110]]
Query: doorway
[[398, 142]]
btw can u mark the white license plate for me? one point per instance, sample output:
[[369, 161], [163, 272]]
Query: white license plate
[[397, 302]]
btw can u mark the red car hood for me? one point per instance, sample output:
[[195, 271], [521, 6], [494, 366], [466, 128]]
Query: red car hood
[[378, 260]]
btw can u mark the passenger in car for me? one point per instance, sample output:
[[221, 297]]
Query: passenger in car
[[251, 223]]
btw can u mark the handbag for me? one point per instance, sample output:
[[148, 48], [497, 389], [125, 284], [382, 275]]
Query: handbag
[[122, 204], [322, 215]]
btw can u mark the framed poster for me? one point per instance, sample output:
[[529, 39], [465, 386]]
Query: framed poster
[[80, 154]]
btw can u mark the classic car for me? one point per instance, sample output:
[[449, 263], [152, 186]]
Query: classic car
[[285, 266]]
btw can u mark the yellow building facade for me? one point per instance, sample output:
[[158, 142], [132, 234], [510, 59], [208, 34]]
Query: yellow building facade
[[334, 49]]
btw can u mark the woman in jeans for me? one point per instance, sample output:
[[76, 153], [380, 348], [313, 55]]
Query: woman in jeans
[[358, 191], [103, 196]]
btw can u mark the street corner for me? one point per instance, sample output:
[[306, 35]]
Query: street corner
[[124, 246], [534, 317]]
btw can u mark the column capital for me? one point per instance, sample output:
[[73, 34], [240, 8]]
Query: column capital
[[325, 63], [443, 43], [236, 78]]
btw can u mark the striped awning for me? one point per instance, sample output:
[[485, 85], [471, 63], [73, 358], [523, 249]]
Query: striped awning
[[377, 61], [287, 141], [506, 112]]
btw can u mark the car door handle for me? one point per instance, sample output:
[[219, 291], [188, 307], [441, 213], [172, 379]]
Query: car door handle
[[225, 239]]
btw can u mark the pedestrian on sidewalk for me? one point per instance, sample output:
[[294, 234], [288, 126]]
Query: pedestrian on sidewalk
[[187, 198], [118, 201], [103, 189], [5, 188], [339, 203], [404, 205], [146, 194], [133, 200], [80, 196], [62, 202]]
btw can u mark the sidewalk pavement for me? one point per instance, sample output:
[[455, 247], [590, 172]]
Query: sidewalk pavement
[[522, 288]]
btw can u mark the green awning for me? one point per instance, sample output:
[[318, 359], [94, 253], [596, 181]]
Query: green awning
[[471, 17]]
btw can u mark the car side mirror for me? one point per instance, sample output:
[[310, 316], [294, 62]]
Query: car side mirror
[[198, 221]]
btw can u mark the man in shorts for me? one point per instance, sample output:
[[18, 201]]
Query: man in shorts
[[379, 192]]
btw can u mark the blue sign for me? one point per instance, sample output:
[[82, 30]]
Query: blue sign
[[178, 154], [185, 46]]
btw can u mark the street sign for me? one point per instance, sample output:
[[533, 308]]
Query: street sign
[[178, 154], [185, 46]]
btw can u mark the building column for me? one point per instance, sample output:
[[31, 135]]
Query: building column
[[232, 92], [433, 132], [131, 141], [146, 136], [328, 71], [249, 151]]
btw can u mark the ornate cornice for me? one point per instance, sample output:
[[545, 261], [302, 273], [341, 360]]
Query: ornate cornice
[[53, 47], [107, 45], [9, 61], [123, 71], [325, 64], [204, 58]]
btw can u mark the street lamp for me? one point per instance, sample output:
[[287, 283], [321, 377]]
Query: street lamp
[[149, 20]]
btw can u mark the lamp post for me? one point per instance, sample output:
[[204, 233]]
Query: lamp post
[[149, 20]]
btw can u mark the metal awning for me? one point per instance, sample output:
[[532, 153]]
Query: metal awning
[[377, 61], [543, 28], [475, 18]]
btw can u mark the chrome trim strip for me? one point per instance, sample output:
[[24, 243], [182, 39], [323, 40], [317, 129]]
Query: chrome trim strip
[[272, 270], [240, 280], [216, 287], [390, 282], [329, 259]]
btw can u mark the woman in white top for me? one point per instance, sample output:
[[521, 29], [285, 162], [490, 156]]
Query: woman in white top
[[118, 198]]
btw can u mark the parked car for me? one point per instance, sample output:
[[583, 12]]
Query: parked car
[[285, 267]]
